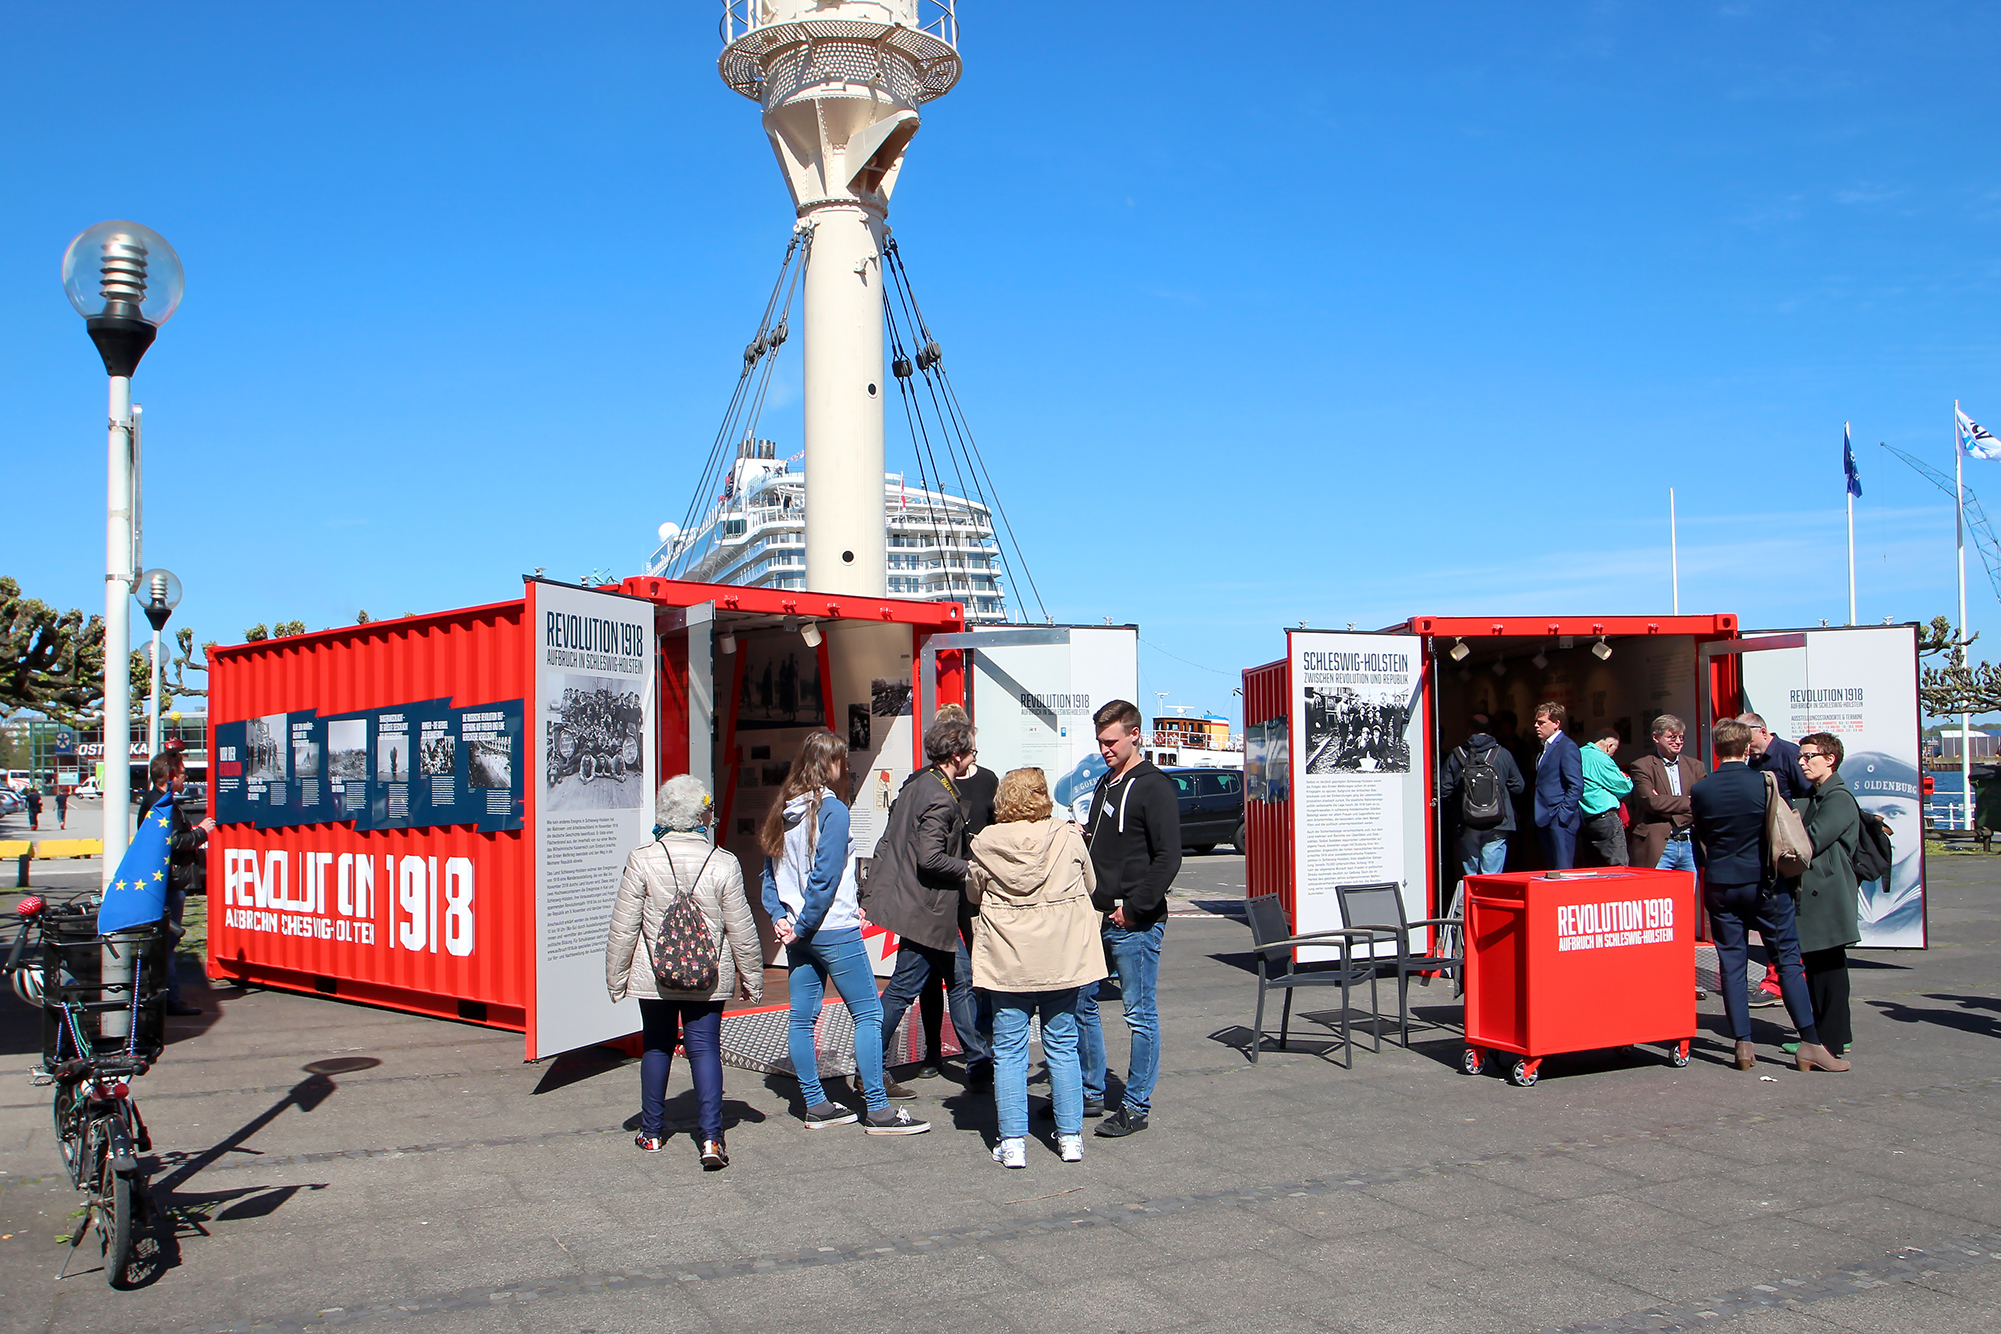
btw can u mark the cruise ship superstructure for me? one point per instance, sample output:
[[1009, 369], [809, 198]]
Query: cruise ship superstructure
[[938, 547]]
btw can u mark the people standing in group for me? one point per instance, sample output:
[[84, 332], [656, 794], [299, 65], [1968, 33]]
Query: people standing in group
[[1036, 945], [809, 893], [187, 861], [33, 796], [1135, 838], [1660, 836], [976, 798], [1829, 911], [916, 888], [1559, 787], [651, 931], [1480, 785], [1605, 789], [1773, 754], [1740, 892]]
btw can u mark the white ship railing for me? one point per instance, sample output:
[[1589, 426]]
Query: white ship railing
[[935, 18]]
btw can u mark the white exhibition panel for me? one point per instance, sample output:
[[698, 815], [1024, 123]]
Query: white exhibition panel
[[1359, 791], [1033, 704], [594, 705], [1861, 684]]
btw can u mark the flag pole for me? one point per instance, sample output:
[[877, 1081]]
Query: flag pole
[[1674, 554], [1965, 719], [1849, 489]]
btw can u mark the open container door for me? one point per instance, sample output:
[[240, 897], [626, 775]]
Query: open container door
[[1861, 684], [1360, 794], [1032, 692]]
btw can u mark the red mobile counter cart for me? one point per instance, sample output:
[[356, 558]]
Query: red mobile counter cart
[[1578, 961]]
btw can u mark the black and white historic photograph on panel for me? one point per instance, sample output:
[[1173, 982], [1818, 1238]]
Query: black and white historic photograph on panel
[[490, 759], [393, 760], [305, 757], [781, 683], [858, 729], [1356, 731], [594, 729], [264, 740], [438, 755], [889, 698], [347, 751]]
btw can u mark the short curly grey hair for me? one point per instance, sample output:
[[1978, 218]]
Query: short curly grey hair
[[681, 803]]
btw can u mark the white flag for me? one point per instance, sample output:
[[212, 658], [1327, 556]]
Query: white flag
[[1975, 440]]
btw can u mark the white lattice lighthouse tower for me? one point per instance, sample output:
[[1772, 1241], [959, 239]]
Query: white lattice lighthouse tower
[[840, 82]]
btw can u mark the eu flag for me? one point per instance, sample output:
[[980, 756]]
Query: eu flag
[[1848, 463], [137, 894]]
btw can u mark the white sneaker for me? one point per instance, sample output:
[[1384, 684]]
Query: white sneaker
[[1071, 1147], [1012, 1153]]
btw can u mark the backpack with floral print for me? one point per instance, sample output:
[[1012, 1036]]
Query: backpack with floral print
[[683, 951]]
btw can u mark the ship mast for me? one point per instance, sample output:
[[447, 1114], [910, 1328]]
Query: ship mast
[[840, 82]]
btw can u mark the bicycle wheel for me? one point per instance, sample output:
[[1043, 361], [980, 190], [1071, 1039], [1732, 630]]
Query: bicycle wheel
[[114, 1220], [69, 1134]]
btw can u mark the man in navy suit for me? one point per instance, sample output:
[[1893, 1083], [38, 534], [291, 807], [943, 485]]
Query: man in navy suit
[[1559, 783], [1740, 892], [1773, 754]]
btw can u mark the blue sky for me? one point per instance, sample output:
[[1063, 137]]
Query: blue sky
[[1372, 312]]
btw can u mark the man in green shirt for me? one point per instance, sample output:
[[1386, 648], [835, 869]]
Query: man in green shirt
[[1605, 786]]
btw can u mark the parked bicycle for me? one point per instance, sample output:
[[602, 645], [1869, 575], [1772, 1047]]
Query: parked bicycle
[[97, 1122]]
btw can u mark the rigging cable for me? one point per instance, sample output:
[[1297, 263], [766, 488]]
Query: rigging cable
[[931, 357], [756, 358], [900, 367]]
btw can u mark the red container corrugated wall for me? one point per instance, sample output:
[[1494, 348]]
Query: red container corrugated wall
[[478, 655], [1268, 824]]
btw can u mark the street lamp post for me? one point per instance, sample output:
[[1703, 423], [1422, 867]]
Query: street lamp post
[[126, 281], [162, 592]]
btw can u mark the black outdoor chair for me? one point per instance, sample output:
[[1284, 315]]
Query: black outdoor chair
[[1379, 907], [1277, 969]]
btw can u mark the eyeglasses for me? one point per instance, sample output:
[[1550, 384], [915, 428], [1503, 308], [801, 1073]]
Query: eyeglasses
[[1815, 755]]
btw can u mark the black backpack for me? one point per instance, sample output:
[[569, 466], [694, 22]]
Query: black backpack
[[1483, 797], [1873, 853]]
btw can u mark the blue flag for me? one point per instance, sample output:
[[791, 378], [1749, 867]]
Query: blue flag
[[137, 895], [1848, 463]]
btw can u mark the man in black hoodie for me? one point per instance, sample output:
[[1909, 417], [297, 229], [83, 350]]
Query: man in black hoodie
[[1135, 836]]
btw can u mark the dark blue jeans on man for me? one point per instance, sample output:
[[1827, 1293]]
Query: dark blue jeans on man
[[916, 965], [1733, 911], [1134, 958], [698, 1025]]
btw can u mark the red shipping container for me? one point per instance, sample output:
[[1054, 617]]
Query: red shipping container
[[1590, 960]]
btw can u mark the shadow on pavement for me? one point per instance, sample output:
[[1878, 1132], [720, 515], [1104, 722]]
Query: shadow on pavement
[[1966, 1019], [573, 1067]]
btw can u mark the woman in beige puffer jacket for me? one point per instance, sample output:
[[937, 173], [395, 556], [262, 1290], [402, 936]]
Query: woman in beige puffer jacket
[[1036, 944], [680, 860]]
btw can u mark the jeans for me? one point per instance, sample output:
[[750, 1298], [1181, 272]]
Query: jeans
[[177, 906], [1492, 860], [699, 1025], [916, 965], [1058, 1011], [1134, 957], [1678, 854], [844, 959], [1733, 910], [1606, 838], [1559, 846]]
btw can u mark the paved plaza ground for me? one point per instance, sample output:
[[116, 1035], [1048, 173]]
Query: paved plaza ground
[[329, 1166]]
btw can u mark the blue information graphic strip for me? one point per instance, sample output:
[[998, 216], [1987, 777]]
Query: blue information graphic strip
[[407, 766]]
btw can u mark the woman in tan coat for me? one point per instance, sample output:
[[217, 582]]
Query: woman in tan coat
[[1035, 946], [682, 861]]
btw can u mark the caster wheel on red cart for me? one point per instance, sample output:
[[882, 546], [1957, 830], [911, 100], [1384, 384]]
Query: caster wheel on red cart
[[1472, 1060], [1678, 1055], [1525, 1073]]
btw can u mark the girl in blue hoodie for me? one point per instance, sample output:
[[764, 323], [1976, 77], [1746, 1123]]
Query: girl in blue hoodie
[[809, 892]]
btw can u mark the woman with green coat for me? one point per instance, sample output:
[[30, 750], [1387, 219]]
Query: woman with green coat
[[1829, 916]]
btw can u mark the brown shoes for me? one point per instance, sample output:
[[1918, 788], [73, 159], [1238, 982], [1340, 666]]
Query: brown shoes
[[1747, 1055], [1813, 1056]]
